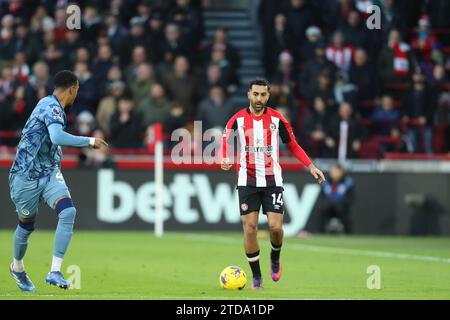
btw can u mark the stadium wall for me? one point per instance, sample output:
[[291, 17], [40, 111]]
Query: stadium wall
[[197, 200]]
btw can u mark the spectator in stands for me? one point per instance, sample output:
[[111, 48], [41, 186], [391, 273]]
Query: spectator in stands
[[395, 60], [392, 18], [157, 108], [21, 111], [339, 52], [229, 74], [344, 90], [136, 38], [144, 9], [138, 56], [85, 123], [400, 143], [39, 84], [41, 21], [312, 69], [334, 13], [286, 74], [325, 89], [419, 107], [354, 31], [181, 85], [215, 109], [385, 115], [69, 47], [439, 76], [174, 44], [212, 78], [315, 126], [115, 31], [126, 129], [278, 39], [220, 43], [108, 105], [189, 19], [364, 75], [103, 62], [307, 49], [7, 48], [281, 96], [344, 135], [142, 84], [337, 198], [8, 86], [82, 54], [21, 71], [426, 47], [28, 43], [300, 15], [54, 59], [92, 23], [155, 37], [87, 97], [60, 27]]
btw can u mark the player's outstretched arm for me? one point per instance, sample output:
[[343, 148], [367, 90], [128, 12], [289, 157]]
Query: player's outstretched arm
[[288, 137], [59, 137]]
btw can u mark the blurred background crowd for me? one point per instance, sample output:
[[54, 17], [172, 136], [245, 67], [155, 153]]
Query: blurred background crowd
[[349, 92]]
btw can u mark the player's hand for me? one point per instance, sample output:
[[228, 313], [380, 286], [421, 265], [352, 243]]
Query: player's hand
[[226, 164], [99, 143], [317, 174]]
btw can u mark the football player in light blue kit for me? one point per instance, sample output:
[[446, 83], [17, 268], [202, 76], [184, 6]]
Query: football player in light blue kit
[[36, 175]]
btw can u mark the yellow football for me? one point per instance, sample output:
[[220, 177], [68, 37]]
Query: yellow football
[[233, 278]]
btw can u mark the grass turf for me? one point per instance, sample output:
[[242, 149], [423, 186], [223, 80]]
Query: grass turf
[[136, 265]]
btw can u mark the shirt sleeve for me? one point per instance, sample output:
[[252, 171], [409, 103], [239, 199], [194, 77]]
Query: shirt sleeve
[[227, 137], [53, 114], [287, 136], [59, 137]]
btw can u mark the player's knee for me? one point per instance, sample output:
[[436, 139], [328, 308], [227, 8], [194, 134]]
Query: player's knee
[[66, 211], [250, 228], [27, 225], [276, 228], [68, 215]]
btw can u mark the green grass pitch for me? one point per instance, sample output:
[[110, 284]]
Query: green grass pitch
[[136, 265]]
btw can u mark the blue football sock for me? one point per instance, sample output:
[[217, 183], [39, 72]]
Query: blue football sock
[[21, 236], [64, 231]]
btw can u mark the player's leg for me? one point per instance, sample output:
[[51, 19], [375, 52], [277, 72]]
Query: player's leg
[[273, 206], [251, 245], [57, 196], [25, 195], [275, 221], [249, 204]]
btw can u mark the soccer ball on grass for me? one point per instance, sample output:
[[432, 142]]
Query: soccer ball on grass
[[233, 278]]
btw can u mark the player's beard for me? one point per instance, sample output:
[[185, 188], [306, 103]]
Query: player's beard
[[258, 107]]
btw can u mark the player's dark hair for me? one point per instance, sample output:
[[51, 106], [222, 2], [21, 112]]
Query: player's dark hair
[[258, 82], [65, 79]]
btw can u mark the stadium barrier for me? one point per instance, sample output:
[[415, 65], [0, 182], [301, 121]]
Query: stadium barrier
[[388, 203]]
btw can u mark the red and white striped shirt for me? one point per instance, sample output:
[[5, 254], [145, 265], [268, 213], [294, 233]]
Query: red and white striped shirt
[[342, 57], [258, 137]]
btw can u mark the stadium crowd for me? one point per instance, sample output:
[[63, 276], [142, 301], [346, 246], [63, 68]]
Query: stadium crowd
[[348, 91], [362, 92]]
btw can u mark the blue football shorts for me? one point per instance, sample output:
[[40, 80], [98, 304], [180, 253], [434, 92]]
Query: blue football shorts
[[27, 194]]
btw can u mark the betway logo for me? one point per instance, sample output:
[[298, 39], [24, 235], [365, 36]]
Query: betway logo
[[214, 205]]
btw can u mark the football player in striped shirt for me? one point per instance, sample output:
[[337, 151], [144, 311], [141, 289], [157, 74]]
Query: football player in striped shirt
[[258, 129]]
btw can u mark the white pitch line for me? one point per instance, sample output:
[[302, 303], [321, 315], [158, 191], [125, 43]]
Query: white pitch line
[[331, 250]]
